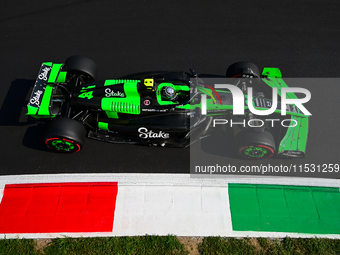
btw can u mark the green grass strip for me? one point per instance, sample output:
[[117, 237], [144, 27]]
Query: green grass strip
[[18, 246], [117, 245], [254, 246], [171, 245]]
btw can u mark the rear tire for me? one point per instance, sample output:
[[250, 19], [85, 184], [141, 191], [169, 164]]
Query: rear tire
[[253, 145], [82, 65], [65, 135]]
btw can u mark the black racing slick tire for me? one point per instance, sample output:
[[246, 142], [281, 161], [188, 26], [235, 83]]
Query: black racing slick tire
[[81, 65], [242, 69], [65, 135], [255, 145]]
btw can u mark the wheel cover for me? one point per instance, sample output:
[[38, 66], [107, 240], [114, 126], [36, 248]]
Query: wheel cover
[[255, 152], [62, 145]]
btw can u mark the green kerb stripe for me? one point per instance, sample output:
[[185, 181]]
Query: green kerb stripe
[[277, 208]]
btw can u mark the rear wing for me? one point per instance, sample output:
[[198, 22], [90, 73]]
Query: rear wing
[[39, 104]]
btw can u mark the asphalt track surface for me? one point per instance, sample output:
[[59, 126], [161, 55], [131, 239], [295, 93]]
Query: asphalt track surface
[[124, 37]]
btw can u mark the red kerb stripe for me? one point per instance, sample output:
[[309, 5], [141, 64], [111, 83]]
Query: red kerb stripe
[[58, 207]]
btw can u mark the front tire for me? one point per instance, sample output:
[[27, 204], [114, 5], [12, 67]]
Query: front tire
[[65, 135]]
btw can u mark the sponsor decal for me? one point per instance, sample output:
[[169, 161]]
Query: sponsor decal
[[292, 152], [145, 133], [35, 100], [147, 102], [44, 73], [155, 110], [112, 93]]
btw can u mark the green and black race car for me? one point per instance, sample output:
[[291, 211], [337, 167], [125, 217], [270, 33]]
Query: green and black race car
[[164, 108]]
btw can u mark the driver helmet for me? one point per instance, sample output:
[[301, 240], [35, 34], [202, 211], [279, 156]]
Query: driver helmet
[[169, 93]]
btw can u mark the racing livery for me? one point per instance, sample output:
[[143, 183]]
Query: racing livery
[[164, 108]]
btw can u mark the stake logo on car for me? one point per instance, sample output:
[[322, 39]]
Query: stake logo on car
[[111, 93], [145, 133], [44, 74], [35, 99]]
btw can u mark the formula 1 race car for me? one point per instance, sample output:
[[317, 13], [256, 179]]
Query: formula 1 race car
[[165, 108]]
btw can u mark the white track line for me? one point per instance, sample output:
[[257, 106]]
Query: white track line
[[171, 179]]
